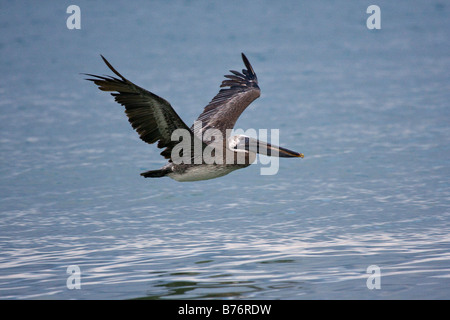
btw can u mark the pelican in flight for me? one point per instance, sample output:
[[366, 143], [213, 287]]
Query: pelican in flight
[[155, 120]]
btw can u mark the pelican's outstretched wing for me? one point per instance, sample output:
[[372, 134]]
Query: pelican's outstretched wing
[[240, 89], [151, 116]]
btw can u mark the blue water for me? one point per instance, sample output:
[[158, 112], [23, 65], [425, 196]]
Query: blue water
[[368, 108]]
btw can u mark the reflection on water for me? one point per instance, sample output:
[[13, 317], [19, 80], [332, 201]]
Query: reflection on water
[[204, 290], [306, 269]]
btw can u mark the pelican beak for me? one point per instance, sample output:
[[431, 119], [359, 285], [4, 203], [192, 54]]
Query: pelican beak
[[267, 149]]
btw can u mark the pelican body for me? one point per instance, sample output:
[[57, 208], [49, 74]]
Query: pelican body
[[155, 120]]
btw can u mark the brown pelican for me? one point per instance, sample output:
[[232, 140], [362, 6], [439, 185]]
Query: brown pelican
[[155, 120]]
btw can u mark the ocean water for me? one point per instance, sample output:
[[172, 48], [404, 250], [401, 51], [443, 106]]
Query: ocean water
[[368, 108]]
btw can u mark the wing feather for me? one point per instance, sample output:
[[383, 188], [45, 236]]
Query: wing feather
[[239, 90], [151, 116]]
